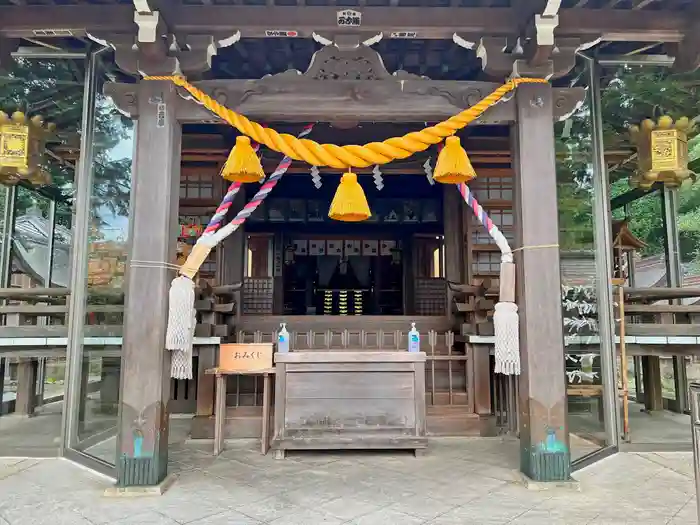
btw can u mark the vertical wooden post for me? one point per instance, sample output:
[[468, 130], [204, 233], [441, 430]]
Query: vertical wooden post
[[232, 248], [544, 436], [2, 382], [143, 455], [453, 238], [651, 377], [26, 387], [277, 269], [109, 385]]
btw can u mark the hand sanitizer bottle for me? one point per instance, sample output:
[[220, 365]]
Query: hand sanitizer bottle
[[283, 340], [413, 339]]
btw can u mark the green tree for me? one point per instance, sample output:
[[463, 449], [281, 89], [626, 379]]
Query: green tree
[[54, 90], [630, 95]]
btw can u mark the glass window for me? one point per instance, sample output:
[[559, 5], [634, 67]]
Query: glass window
[[634, 94], [36, 242]]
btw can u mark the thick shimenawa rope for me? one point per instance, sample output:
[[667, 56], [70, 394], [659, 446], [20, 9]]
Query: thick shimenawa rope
[[350, 156]]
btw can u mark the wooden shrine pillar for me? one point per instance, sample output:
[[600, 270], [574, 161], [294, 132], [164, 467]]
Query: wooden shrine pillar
[[143, 429], [232, 257], [544, 436], [452, 218]]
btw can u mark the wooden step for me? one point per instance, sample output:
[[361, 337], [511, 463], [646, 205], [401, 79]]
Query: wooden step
[[453, 421]]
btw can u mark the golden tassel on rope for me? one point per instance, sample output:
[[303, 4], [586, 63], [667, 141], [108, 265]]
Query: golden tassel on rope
[[453, 166], [243, 164], [350, 202]]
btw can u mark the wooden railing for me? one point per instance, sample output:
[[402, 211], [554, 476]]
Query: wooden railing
[[646, 316], [42, 312], [34, 314]]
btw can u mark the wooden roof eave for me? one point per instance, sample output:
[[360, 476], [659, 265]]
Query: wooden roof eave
[[427, 22]]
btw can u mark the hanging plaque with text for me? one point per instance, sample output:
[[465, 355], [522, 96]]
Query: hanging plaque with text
[[248, 357], [349, 18]]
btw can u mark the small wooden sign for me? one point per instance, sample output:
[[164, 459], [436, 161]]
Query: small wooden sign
[[245, 357]]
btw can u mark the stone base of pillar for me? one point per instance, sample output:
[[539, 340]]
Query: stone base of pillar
[[141, 490], [545, 465], [531, 484], [141, 472]]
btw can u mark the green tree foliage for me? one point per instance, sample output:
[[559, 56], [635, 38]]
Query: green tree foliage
[[630, 94], [54, 90]]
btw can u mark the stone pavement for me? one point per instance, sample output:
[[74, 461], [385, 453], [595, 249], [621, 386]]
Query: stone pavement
[[459, 481]]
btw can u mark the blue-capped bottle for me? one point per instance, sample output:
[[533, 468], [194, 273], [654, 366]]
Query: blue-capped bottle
[[413, 339], [283, 340]]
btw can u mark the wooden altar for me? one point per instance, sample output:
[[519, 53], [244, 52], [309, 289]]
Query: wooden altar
[[350, 400]]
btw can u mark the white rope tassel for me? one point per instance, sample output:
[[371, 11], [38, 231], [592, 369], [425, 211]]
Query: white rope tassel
[[180, 314], [181, 360], [506, 329]]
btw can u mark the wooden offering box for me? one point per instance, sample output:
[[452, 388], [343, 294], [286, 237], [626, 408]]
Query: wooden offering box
[[349, 400]]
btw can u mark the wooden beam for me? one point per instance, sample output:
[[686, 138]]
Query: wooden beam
[[688, 49], [22, 21], [632, 195], [429, 23], [300, 99]]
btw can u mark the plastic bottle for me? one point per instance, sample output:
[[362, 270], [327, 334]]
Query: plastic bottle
[[283, 340], [413, 339]]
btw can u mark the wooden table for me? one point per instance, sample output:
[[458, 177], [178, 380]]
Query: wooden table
[[220, 405]]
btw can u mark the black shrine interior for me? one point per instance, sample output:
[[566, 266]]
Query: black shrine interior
[[336, 268]]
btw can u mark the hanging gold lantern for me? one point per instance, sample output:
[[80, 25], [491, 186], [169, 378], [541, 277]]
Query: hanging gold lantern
[[22, 146], [662, 151]]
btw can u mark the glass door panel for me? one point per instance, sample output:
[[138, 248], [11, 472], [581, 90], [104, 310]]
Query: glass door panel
[[583, 253], [102, 233]]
